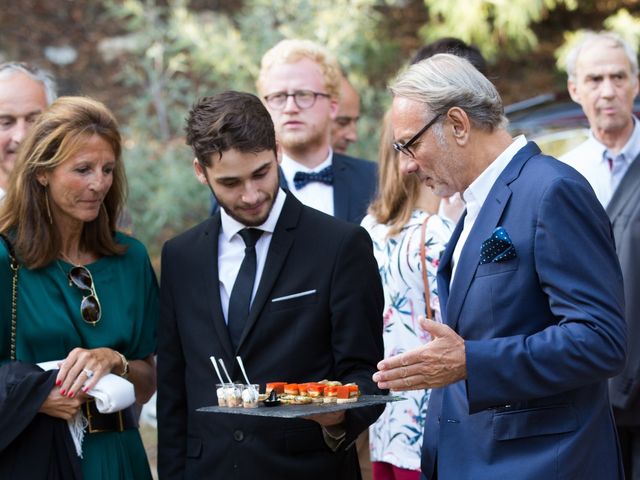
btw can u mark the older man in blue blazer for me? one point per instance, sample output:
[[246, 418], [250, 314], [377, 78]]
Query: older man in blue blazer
[[530, 290]]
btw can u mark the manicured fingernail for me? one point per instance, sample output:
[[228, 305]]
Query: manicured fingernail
[[85, 389], [62, 392], [58, 383], [71, 394]]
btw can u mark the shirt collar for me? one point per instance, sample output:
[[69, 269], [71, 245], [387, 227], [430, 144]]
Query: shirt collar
[[230, 226], [290, 166], [475, 195], [631, 149]]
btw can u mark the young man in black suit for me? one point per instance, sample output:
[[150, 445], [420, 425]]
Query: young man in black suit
[[315, 311]]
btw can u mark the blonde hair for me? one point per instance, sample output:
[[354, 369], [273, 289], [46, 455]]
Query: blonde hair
[[58, 134], [397, 193], [294, 50]]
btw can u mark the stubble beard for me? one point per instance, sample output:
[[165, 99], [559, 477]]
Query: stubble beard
[[301, 142], [248, 221]]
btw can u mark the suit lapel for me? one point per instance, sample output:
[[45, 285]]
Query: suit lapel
[[207, 250], [626, 189], [341, 188], [486, 222], [281, 242], [488, 219]]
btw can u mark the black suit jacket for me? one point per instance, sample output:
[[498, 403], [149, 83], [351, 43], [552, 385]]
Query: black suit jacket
[[32, 445], [354, 186], [624, 212], [334, 332]]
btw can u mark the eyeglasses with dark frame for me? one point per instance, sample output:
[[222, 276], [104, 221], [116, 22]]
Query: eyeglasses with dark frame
[[303, 99], [404, 147], [90, 310]]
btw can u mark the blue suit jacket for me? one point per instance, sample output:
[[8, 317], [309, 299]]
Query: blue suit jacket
[[354, 186], [543, 331]]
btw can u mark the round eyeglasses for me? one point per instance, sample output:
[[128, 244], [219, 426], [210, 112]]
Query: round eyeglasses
[[303, 99]]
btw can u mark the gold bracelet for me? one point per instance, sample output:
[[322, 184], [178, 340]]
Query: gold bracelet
[[125, 365]]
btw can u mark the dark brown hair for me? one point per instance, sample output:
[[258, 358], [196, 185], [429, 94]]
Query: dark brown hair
[[58, 134], [226, 121]]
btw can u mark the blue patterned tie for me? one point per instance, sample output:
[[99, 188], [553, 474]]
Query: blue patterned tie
[[300, 179], [240, 299]]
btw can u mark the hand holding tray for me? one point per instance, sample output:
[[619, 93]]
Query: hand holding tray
[[296, 411]]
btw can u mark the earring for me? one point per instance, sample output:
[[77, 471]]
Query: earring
[[46, 202]]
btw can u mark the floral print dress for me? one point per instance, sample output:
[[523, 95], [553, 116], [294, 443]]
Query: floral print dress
[[396, 437]]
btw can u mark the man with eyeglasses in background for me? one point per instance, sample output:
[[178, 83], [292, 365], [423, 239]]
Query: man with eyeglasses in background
[[299, 82], [25, 91]]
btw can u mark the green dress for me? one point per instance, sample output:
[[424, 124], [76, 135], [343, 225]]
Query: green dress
[[49, 326]]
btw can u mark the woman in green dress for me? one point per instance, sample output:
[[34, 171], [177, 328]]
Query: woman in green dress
[[86, 295]]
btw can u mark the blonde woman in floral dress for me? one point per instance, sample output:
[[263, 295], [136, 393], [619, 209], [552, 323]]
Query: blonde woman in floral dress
[[394, 222]]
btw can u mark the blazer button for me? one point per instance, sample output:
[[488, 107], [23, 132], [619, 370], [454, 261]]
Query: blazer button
[[238, 435]]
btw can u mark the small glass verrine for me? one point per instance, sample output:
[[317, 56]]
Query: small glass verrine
[[250, 395]]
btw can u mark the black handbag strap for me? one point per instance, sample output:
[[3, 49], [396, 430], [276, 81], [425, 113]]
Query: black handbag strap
[[15, 266]]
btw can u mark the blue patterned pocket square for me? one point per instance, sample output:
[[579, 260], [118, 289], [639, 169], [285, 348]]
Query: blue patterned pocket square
[[497, 248]]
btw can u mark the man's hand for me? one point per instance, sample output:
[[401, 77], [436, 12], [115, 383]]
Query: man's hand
[[437, 364]]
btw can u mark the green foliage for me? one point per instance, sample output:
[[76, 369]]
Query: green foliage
[[626, 25], [495, 26], [622, 22]]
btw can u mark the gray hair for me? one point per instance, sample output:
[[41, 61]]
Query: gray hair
[[8, 69], [589, 38], [445, 81]]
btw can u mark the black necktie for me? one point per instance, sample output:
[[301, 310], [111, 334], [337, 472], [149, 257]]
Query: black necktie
[[240, 300], [300, 179]]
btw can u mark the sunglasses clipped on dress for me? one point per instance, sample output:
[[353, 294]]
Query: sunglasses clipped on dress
[[80, 276]]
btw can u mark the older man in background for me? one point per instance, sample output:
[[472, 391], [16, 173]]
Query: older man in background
[[25, 91], [603, 79]]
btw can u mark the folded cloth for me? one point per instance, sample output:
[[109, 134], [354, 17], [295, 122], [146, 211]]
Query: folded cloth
[[112, 394]]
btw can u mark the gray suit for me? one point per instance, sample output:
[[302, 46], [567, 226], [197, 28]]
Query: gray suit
[[624, 213]]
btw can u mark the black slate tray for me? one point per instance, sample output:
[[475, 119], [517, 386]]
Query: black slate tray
[[295, 411]]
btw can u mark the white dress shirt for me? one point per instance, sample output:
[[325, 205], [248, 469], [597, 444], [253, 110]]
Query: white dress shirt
[[231, 250], [591, 159], [314, 194], [476, 194]]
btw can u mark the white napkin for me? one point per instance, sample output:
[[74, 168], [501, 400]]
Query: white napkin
[[112, 394]]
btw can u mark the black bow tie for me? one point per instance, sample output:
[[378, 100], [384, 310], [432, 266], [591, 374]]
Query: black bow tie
[[300, 179]]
